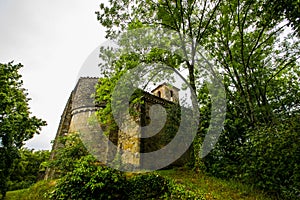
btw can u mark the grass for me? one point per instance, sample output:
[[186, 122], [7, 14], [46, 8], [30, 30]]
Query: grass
[[36, 192], [214, 188], [209, 187], [15, 195]]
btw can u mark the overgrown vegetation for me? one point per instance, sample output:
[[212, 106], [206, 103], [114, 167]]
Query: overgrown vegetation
[[27, 169], [263, 166], [71, 150], [16, 123], [88, 180], [39, 190], [214, 188], [247, 44], [178, 183], [91, 180], [259, 64], [84, 177]]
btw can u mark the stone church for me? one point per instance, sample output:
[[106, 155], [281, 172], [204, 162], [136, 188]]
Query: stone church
[[128, 148]]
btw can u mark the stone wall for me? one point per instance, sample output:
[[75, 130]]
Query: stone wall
[[164, 131], [80, 116]]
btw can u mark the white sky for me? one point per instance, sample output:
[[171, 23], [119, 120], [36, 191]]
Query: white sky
[[52, 39]]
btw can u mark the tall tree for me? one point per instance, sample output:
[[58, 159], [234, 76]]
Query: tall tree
[[189, 19], [261, 76], [260, 67], [247, 45], [16, 123]]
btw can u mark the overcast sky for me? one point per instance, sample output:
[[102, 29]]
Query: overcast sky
[[52, 39]]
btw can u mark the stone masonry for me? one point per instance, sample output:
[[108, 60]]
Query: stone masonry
[[80, 111]]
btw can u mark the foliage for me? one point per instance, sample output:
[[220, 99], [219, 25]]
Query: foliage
[[260, 67], [89, 181], [146, 186], [271, 158], [16, 124], [119, 65], [27, 170], [190, 19], [288, 9], [186, 184], [261, 77], [268, 159], [66, 156], [106, 86], [39, 190], [156, 186], [245, 45], [208, 187]]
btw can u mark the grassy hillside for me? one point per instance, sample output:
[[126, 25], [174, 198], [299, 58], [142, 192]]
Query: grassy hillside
[[209, 187], [213, 188], [36, 192]]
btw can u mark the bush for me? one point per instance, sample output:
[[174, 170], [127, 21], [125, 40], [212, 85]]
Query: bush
[[19, 185], [72, 149], [155, 186], [178, 191], [147, 186], [40, 190], [90, 181], [271, 158], [266, 157]]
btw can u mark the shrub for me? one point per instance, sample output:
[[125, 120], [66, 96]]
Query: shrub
[[266, 157], [90, 181], [271, 158], [147, 186], [39, 190], [155, 186], [72, 149]]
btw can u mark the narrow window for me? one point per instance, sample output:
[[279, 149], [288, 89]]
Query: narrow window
[[171, 93], [159, 94]]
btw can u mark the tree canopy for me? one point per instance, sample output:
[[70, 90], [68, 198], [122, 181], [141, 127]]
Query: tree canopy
[[16, 122], [249, 45]]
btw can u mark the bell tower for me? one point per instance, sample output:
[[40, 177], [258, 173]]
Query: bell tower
[[167, 92]]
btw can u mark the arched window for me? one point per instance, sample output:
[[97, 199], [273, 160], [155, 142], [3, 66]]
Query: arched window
[[171, 93], [159, 94]]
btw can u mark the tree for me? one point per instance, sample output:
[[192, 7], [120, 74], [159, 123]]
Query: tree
[[16, 124], [261, 77], [189, 19], [28, 168], [246, 44], [244, 38], [288, 9], [189, 22], [256, 64]]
